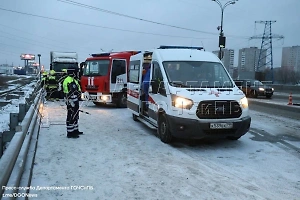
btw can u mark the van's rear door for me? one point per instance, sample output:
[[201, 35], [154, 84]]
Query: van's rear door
[[134, 84]]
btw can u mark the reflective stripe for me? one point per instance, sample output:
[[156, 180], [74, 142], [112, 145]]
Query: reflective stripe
[[52, 86], [72, 127], [70, 130]]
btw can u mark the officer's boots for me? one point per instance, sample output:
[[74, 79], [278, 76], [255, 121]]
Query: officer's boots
[[78, 132], [72, 135]]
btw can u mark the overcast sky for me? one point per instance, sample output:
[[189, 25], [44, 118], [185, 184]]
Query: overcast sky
[[99, 27]]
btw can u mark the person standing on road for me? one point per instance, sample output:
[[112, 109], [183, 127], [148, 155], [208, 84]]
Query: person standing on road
[[72, 91]]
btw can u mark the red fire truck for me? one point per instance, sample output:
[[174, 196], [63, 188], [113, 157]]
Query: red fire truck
[[104, 78]]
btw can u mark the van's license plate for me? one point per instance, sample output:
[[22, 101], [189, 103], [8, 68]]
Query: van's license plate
[[221, 125]]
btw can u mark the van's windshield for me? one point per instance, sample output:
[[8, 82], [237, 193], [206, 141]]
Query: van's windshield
[[197, 74]]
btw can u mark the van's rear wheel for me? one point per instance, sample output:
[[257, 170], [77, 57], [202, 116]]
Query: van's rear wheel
[[163, 129], [122, 100], [134, 117]]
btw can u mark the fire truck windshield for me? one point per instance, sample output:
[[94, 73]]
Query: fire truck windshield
[[96, 68]]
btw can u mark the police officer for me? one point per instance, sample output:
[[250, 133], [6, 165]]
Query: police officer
[[62, 77], [44, 79], [52, 86], [72, 91]]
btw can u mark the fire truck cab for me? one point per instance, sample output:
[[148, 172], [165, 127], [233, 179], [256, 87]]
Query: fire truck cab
[[104, 78]]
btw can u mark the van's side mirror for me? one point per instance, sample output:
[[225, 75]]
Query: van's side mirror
[[154, 85]]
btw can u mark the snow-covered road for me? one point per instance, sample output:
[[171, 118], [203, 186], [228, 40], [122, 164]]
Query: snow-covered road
[[118, 158]]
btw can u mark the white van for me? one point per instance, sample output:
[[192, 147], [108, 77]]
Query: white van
[[190, 95]]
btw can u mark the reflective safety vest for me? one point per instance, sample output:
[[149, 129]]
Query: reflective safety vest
[[67, 81], [51, 80], [44, 76], [71, 88]]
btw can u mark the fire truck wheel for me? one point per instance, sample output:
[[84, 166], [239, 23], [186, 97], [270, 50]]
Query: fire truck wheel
[[97, 103], [122, 101], [163, 129]]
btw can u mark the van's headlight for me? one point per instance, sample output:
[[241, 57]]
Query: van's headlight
[[244, 102], [261, 89], [180, 102]]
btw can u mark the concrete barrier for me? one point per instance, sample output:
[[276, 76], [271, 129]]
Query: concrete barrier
[[290, 108], [286, 88]]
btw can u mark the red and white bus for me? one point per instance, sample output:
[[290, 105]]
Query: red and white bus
[[104, 78]]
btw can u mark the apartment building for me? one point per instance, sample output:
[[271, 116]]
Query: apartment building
[[248, 59], [291, 58], [228, 59]]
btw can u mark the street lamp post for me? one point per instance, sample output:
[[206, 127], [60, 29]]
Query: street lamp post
[[40, 77], [221, 37]]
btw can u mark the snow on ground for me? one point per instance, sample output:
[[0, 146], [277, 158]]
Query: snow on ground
[[118, 158], [275, 124], [13, 107], [5, 114], [13, 82]]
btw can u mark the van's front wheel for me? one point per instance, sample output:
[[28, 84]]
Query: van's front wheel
[[163, 129]]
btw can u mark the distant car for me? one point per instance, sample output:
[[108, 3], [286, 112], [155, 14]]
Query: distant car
[[254, 88]]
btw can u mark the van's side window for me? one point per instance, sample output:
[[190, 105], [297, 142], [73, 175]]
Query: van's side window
[[156, 75], [157, 78], [134, 71]]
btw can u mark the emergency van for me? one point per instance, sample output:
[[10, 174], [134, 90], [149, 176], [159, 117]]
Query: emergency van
[[104, 78], [186, 92]]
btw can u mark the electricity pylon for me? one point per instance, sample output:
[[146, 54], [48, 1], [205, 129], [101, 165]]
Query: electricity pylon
[[265, 54]]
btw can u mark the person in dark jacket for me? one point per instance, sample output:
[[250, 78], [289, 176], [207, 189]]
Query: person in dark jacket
[[145, 88], [72, 91]]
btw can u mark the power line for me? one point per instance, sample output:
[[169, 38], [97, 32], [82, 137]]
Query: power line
[[37, 42], [25, 41], [128, 16], [92, 25], [30, 33], [16, 46], [132, 17]]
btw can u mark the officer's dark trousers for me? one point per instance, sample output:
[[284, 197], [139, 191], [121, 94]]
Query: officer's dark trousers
[[72, 117]]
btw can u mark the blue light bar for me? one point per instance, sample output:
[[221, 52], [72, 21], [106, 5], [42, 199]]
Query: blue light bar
[[179, 47], [100, 54]]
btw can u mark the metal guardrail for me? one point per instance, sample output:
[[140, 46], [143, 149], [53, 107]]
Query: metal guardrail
[[15, 158]]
